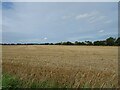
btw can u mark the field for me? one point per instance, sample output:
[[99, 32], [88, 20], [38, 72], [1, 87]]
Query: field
[[69, 66]]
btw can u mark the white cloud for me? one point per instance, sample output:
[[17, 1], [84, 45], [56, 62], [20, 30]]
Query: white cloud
[[33, 40], [87, 15], [30, 40], [69, 16], [81, 16], [66, 17], [108, 21], [45, 38], [81, 38], [97, 19], [92, 17], [101, 31]]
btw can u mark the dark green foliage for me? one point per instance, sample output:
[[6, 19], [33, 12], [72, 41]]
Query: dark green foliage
[[10, 82], [67, 43], [79, 43], [46, 84], [58, 43], [98, 43], [51, 44], [110, 41], [117, 42], [88, 43]]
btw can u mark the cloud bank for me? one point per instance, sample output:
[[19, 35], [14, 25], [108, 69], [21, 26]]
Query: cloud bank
[[54, 22]]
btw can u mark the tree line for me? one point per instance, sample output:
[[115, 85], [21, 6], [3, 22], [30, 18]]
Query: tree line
[[108, 42]]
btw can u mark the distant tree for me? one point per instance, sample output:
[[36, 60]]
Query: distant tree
[[51, 44], [103, 43], [110, 41], [76, 43], [12, 44], [58, 43], [18, 43], [98, 43], [117, 42], [79, 43], [88, 43], [46, 43], [83, 43], [67, 43]]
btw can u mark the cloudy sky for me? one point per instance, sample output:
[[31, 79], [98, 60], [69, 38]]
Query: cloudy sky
[[58, 21]]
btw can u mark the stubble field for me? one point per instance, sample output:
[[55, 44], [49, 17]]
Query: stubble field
[[71, 66]]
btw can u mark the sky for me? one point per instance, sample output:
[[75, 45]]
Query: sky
[[40, 22]]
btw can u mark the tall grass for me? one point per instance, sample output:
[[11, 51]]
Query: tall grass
[[12, 82]]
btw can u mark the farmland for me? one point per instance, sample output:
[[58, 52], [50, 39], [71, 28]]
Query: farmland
[[71, 66]]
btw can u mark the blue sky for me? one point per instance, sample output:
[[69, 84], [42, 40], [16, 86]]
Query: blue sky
[[61, 21]]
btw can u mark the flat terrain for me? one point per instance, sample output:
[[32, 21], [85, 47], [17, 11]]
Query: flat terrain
[[76, 66]]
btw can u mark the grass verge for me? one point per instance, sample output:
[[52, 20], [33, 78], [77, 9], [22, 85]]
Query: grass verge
[[12, 82]]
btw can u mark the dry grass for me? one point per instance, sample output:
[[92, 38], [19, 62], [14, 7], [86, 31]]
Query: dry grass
[[75, 66]]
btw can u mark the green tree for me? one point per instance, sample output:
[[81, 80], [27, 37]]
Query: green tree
[[88, 42], [110, 41], [67, 43], [77, 43], [96, 43], [117, 42], [103, 43]]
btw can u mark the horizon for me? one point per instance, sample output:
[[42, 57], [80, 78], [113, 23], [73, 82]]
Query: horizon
[[35, 43], [30, 22]]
